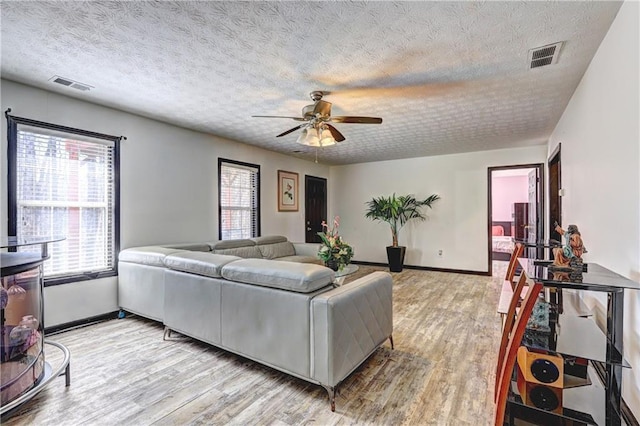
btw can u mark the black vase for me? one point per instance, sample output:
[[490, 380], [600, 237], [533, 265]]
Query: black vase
[[332, 263], [395, 255]]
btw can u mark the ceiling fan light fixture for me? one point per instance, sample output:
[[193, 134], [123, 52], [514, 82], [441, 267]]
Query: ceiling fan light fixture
[[316, 131], [315, 137], [309, 137], [326, 138]]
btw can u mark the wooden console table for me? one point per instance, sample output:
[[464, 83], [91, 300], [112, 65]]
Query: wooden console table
[[579, 338]]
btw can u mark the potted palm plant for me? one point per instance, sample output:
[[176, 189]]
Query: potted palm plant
[[397, 211]]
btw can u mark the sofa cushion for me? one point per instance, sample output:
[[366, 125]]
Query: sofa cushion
[[199, 263], [301, 259], [229, 244], [276, 250], [298, 277], [190, 246], [269, 239], [244, 252], [148, 255], [244, 248]]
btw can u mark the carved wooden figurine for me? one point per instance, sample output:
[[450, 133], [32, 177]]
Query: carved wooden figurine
[[570, 255]]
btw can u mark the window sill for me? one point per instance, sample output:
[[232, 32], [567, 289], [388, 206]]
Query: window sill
[[88, 276]]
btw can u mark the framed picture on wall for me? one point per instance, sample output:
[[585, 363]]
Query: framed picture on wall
[[287, 191]]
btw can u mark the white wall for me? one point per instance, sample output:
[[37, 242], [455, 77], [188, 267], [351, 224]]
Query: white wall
[[169, 186], [505, 191], [600, 137], [457, 224]]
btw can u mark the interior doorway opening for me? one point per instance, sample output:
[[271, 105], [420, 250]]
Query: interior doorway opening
[[515, 210]]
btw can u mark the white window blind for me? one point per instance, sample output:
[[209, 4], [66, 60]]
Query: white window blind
[[239, 189], [65, 187]]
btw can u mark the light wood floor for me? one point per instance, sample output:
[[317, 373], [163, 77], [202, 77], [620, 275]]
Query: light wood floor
[[446, 334]]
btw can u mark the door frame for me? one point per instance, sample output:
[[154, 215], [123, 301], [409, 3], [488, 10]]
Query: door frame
[[555, 199], [540, 207]]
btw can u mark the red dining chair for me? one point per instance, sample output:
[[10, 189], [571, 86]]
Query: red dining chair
[[508, 285], [509, 357], [517, 252], [507, 326]]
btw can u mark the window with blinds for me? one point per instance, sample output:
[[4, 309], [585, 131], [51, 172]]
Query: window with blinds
[[238, 199], [65, 185]]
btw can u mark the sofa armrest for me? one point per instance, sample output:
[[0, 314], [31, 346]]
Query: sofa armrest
[[306, 249], [348, 324]]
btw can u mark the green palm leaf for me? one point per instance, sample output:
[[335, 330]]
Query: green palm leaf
[[397, 211]]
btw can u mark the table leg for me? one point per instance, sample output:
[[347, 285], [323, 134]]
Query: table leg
[[615, 318]]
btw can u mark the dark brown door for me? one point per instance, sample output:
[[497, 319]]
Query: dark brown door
[[315, 207], [521, 220], [555, 185]]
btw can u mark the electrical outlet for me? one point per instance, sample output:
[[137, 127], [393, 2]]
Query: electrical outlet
[[440, 253]]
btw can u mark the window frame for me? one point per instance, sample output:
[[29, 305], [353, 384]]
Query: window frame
[[221, 162], [12, 190]]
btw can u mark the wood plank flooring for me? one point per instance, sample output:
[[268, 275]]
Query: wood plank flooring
[[446, 334]]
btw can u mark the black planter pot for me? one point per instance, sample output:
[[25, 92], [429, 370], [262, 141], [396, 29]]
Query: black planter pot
[[395, 255], [332, 264]]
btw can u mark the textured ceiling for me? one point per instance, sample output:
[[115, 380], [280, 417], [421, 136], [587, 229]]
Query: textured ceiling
[[446, 77]]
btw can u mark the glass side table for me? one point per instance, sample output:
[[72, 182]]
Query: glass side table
[[342, 275], [24, 371]]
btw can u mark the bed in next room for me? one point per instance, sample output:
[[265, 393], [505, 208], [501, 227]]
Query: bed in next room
[[501, 240]]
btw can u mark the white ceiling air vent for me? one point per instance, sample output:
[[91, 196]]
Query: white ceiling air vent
[[70, 83], [545, 55]]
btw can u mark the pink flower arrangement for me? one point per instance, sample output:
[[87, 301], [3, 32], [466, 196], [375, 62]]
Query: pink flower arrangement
[[335, 252]]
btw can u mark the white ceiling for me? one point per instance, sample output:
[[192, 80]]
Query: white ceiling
[[446, 77]]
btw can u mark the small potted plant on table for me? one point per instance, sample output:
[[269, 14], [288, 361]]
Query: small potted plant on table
[[334, 252], [397, 211]]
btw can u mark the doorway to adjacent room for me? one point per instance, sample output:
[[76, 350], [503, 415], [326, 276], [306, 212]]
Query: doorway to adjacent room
[[515, 209]]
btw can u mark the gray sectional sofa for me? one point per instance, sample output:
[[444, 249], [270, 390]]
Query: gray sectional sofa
[[266, 299], [141, 269]]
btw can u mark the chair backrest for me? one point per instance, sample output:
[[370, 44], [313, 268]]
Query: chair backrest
[[518, 249], [509, 359], [508, 325]]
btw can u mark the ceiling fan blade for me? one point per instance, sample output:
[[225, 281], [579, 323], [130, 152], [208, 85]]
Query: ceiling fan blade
[[335, 133], [354, 119], [279, 116], [290, 130], [322, 107]]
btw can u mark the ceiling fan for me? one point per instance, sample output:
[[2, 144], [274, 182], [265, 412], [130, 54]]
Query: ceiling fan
[[316, 130]]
